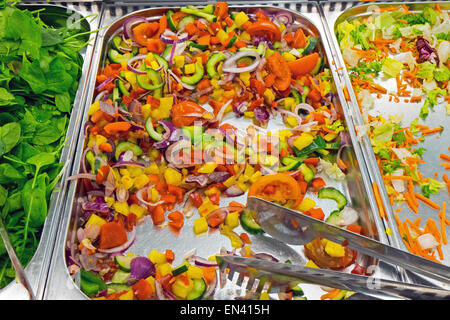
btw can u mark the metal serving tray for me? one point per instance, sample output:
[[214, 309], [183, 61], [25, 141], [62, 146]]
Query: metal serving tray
[[38, 267], [337, 12], [356, 187]]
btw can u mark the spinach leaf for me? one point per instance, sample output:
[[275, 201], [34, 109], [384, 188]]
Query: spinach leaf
[[3, 195], [9, 174], [10, 135]]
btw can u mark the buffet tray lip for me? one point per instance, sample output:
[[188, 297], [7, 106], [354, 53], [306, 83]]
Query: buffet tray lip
[[336, 12], [311, 19], [37, 268]]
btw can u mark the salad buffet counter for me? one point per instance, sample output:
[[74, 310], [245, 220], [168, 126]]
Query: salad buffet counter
[[133, 133]]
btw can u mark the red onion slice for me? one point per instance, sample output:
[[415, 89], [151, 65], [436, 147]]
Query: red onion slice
[[133, 60], [230, 64], [103, 84], [128, 26]]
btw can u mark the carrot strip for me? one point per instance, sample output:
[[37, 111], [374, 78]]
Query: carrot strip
[[443, 218], [410, 203], [427, 201], [380, 205], [444, 157], [431, 131], [447, 181]]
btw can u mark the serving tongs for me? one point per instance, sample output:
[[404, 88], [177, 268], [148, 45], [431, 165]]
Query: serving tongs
[[20, 272], [292, 227]]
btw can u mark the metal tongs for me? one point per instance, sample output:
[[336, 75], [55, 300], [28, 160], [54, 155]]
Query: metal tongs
[[20, 272], [292, 227]]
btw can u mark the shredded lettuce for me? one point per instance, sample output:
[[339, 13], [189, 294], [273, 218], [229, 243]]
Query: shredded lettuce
[[344, 37], [332, 170], [430, 14], [382, 135], [431, 187], [432, 95], [425, 70], [442, 73], [391, 67], [361, 35]]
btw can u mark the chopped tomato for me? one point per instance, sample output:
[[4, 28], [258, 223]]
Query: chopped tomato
[[185, 113], [315, 251], [275, 187], [265, 28]]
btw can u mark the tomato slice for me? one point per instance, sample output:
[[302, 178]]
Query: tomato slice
[[265, 28], [315, 251], [181, 113], [275, 187]]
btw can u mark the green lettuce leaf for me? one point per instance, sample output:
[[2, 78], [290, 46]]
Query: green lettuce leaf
[[392, 67]]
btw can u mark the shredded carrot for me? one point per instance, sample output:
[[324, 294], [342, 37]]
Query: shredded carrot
[[397, 177], [427, 201], [445, 157], [330, 295], [438, 8], [431, 131], [410, 202], [380, 205], [443, 218], [447, 181], [414, 160]]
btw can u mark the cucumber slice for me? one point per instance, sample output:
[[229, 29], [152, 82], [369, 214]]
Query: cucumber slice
[[297, 96], [117, 288], [125, 146], [198, 290], [209, 9], [307, 172], [152, 76], [297, 291], [123, 87], [213, 61], [120, 277], [317, 67], [116, 57], [181, 269], [184, 22], [151, 130], [161, 61], [333, 194], [231, 42], [123, 262], [170, 22], [195, 133], [310, 46], [197, 76], [166, 53], [334, 218], [199, 13], [249, 224]]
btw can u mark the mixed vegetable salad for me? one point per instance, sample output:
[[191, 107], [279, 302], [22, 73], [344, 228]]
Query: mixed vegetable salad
[[40, 66], [410, 50], [160, 148]]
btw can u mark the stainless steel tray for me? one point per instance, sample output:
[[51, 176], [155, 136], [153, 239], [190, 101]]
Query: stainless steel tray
[[357, 188], [38, 267], [337, 12]]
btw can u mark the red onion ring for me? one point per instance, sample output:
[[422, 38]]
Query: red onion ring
[[134, 59], [129, 23]]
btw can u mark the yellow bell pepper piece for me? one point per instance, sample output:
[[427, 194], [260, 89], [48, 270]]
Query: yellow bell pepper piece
[[200, 225], [180, 289], [334, 249], [208, 167], [172, 176], [141, 181], [157, 257], [122, 207], [306, 204], [165, 269], [241, 18], [195, 272], [129, 295], [137, 210], [232, 220], [304, 140], [95, 220]]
